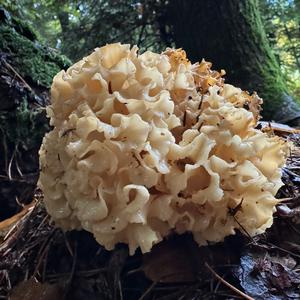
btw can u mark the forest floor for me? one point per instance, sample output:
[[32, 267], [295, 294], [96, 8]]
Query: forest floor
[[39, 261]]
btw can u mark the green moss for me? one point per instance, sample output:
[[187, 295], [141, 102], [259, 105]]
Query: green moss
[[25, 125], [23, 121], [24, 28], [34, 62], [30, 125], [263, 72]]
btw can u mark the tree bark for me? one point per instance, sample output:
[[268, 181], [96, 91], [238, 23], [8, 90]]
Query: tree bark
[[230, 34], [26, 71]]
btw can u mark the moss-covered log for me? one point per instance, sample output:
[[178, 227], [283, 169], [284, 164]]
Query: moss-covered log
[[26, 72], [231, 35]]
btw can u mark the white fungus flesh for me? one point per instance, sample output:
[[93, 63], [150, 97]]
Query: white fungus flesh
[[147, 145]]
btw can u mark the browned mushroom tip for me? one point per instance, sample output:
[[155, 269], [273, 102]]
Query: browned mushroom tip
[[145, 145]]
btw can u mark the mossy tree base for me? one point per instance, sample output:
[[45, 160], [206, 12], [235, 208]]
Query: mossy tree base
[[231, 35], [26, 72]]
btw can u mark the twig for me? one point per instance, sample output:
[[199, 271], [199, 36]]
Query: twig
[[68, 245], [5, 177], [233, 288], [17, 163], [4, 149], [293, 227], [283, 250], [217, 286], [149, 289], [73, 264], [228, 296], [18, 202], [43, 221], [140, 269], [43, 250], [10, 164], [18, 75], [120, 289], [14, 231], [243, 228], [233, 212], [73, 268], [294, 168], [41, 258], [13, 220], [45, 264], [141, 35], [82, 273]]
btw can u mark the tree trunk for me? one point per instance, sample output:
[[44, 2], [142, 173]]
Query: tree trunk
[[230, 34], [63, 18]]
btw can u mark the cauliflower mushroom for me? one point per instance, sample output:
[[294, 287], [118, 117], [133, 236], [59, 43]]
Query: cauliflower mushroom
[[150, 144]]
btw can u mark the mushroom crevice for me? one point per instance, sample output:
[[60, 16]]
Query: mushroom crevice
[[146, 145]]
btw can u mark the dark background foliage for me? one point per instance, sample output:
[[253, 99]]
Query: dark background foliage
[[77, 27]]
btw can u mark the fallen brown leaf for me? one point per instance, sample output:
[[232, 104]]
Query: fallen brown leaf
[[168, 262], [7, 224]]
